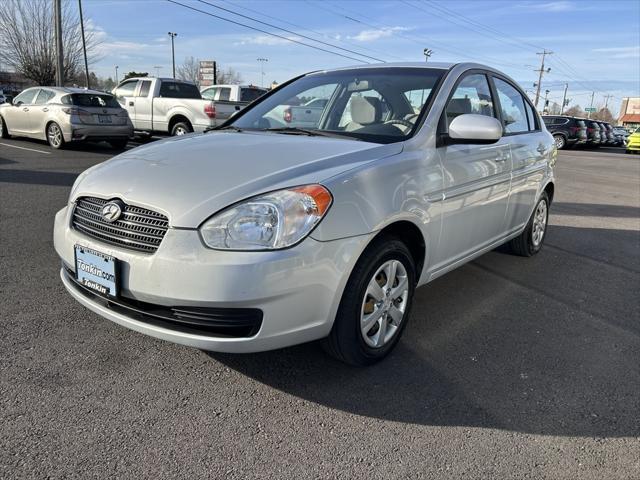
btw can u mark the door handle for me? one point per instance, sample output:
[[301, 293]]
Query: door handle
[[502, 157], [25, 109], [45, 109], [131, 104]]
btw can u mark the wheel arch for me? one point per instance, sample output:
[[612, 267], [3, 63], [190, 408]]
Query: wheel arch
[[177, 118]]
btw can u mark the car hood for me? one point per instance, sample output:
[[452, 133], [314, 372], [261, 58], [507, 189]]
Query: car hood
[[190, 178]]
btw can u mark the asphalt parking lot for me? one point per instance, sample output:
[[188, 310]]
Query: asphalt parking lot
[[509, 367]]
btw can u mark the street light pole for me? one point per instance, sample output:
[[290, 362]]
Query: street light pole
[[262, 60], [84, 45], [116, 74], [157, 67], [564, 98], [427, 53], [57, 9], [173, 52], [591, 105]]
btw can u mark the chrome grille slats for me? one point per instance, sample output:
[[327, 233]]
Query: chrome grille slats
[[138, 229]]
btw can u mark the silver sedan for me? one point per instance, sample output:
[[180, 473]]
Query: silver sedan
[[64, 115], [257, 236]]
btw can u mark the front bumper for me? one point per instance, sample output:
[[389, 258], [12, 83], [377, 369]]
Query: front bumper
[[298, 290]]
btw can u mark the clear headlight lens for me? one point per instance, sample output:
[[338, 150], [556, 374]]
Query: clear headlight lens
[[275, 220]]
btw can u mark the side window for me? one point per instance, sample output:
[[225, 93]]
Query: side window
[[225, 94], [44, 96], [126, 89], [209, 94], [472, 95], [145, 87], [531, 117], [514, 115], [27, 96]]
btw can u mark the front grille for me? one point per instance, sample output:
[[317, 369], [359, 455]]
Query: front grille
[[137, 229]]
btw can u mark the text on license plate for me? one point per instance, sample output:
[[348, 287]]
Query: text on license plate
[[104, 118], [96, 271]]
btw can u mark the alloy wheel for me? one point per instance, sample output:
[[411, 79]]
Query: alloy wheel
[[384, 304], [539, 223], [54, 135]]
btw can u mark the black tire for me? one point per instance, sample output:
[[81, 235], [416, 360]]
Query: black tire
[[560, 141], [181, 128], [4, 133], [54, 141], [346, 342], [524, 244], [119, 144]]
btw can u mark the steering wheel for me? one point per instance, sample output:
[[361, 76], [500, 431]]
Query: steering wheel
[[399, 121]]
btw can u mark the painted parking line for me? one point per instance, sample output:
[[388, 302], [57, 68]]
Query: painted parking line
[[25, 148]]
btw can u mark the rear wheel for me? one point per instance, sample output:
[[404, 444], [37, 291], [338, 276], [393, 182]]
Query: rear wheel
[[181, 128], [54, 136], [529, 242], [4, 133], [375, 306], [560, 141]]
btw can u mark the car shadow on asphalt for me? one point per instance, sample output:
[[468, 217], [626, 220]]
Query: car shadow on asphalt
[[595, 210], [37, 177], [535, 345]]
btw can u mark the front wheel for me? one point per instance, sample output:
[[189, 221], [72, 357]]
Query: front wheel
[[529, 242], [375, 305], [54, 136]]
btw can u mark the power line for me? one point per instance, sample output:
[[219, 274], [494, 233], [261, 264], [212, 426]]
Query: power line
[[290, 31], [282, 37], [361, 47]]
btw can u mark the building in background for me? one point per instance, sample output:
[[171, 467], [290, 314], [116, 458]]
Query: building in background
[[12, 83], [630, 113]]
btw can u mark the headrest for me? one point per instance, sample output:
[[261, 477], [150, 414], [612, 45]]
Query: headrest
[[366, 110]]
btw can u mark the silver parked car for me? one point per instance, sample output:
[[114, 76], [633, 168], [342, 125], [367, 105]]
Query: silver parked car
[[257, 236], [62, 115]]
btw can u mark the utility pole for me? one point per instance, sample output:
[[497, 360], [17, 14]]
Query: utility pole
[[116, 74], [564, 98], [427, 53], [84, 45], [591, 106], [606, 99], [262, 60], [215, 72], [57, 12], [542, 71], [173, 52]]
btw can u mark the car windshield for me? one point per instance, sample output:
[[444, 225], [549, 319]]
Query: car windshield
[[380, 105]]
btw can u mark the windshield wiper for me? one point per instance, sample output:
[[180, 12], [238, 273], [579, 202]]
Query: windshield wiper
[[311, 133], [226, 127]]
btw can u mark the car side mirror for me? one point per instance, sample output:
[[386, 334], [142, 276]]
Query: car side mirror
[[17, 103], [472, 128]]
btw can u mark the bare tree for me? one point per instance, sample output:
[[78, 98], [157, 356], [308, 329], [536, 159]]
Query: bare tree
[[604, 115], [575, 111], [27, 43], [189, 69], [229, 76]]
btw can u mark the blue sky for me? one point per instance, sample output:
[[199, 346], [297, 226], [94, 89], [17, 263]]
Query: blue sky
[[596, 44]]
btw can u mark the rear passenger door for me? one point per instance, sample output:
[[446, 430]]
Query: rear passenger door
[[476, 178], [39, 113], [529, 147]]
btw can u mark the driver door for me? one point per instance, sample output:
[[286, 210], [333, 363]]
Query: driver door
[[477, 179]]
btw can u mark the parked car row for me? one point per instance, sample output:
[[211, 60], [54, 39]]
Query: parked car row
[[145, 105], [571, 131]]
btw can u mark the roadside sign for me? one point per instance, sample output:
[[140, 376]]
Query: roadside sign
[[590, 109]]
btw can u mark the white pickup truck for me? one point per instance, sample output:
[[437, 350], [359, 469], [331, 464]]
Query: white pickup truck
[[166, 106], [230, 99]]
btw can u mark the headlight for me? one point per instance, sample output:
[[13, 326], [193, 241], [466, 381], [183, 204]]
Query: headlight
[[275, 220]]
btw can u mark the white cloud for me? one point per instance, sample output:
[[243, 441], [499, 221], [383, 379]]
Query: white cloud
[[557, 6], [373, 35], [620, 52], [267, 40]]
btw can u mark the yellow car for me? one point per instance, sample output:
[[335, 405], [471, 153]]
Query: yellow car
[[633, 144]]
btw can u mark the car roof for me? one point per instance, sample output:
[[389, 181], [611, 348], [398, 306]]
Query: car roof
[[63, 90]]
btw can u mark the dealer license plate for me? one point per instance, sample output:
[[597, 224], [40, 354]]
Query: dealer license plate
[[97, 271]]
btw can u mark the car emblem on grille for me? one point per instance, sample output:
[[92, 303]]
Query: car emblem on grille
[[112, 211]]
